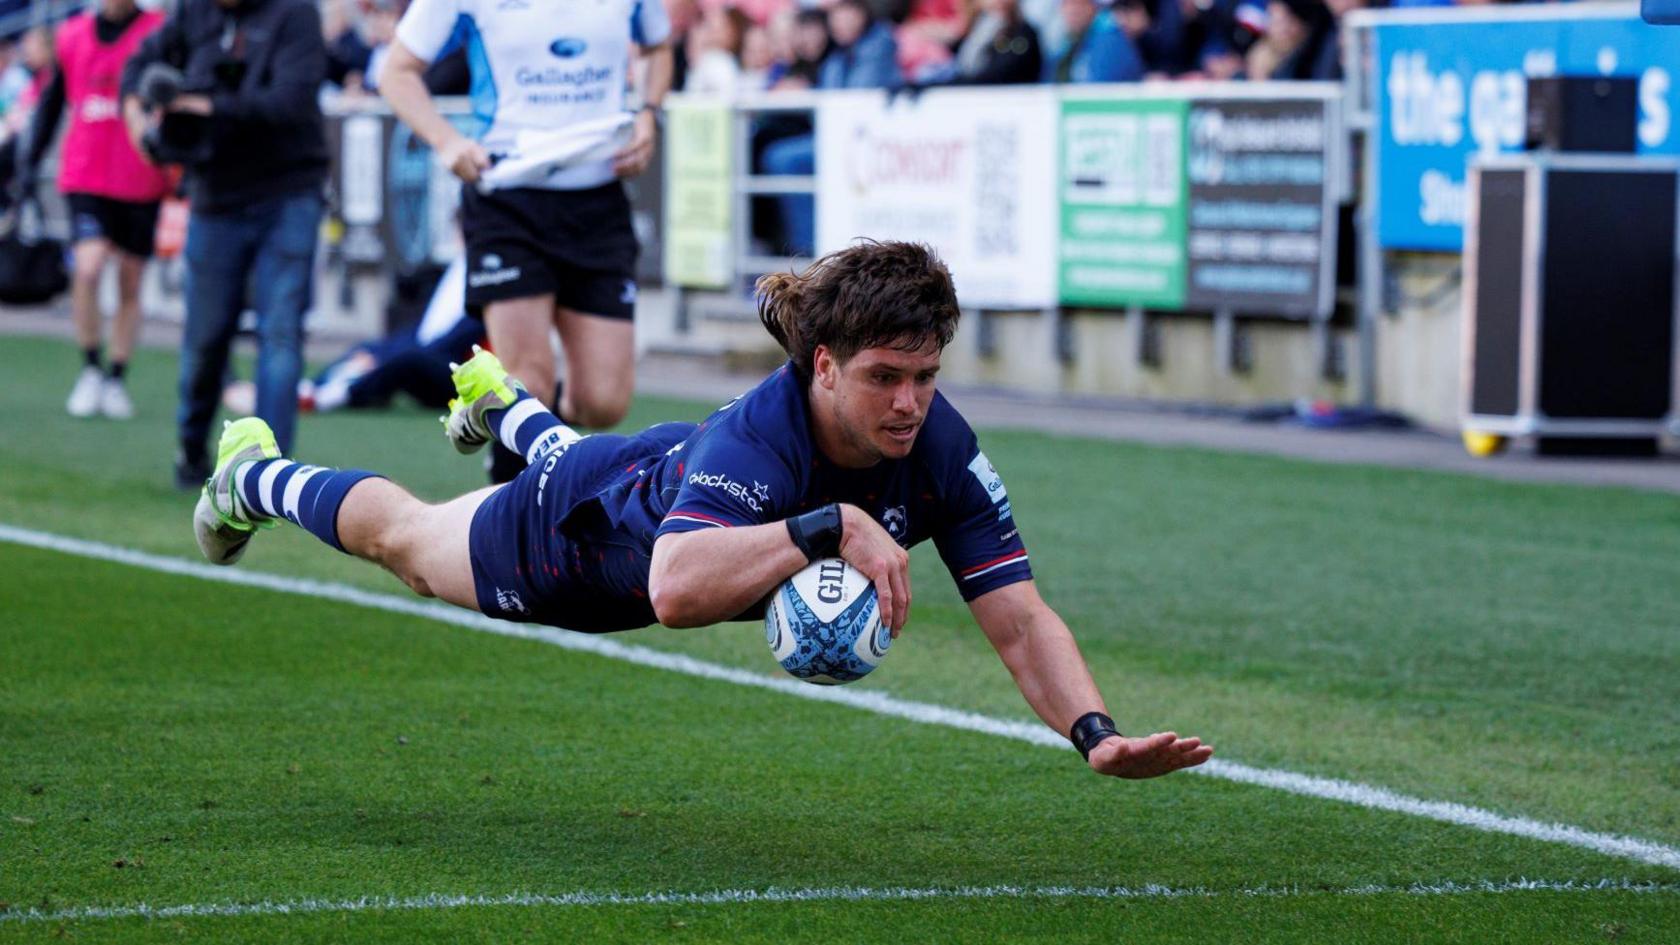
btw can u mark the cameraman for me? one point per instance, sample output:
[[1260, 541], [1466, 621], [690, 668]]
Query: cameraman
[[228, 89]]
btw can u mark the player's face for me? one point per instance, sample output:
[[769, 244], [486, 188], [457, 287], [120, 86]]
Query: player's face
[[880, 398]]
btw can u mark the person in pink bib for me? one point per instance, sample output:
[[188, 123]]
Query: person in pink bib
[[112, 191]]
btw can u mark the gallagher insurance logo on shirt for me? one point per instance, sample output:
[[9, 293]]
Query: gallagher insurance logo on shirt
[[580, 81], [989, 480]]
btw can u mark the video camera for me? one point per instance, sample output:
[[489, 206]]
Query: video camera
[[174, 138], [160, 83]]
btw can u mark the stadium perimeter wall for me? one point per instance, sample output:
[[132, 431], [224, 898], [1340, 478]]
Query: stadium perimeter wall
[[1417, 370], [1417, 373], [1105, 358]]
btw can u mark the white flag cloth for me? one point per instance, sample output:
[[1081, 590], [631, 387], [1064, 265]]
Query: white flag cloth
[[539, 155]]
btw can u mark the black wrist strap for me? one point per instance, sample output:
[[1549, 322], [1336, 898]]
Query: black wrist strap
[[1091, 728], [817, 532]]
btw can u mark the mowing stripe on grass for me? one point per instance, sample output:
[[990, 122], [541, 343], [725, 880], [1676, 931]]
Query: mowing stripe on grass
[[818, 894], [1351, 792]]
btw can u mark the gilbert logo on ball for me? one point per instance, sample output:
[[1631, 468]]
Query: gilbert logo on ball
[[824, 624]]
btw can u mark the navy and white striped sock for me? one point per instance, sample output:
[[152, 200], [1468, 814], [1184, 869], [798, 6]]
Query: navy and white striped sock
[[529, 429], [306, 496]]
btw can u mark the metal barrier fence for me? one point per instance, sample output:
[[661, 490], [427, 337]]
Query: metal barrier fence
[[711, 185]]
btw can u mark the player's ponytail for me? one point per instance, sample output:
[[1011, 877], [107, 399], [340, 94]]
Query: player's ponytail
[[779, 298], [869, 295]]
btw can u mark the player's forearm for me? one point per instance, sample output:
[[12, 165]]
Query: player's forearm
[[1053, 676], [1041, 655], [43, 124], [404, 89], [704, 577], [660, 68]]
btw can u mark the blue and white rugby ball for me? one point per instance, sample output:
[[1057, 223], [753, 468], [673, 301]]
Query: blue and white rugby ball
[[824, 624]]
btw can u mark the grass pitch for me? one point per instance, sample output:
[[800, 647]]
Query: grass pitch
[[171, 741]]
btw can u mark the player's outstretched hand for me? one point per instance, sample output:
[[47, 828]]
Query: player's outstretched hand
[[1151, 757], [465, 158], [635, 157], [866, 546]]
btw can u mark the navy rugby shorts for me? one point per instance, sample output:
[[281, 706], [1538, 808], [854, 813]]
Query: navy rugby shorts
[[543, 551]]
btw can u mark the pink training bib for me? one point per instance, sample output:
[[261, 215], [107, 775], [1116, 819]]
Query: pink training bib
[[97, 157]]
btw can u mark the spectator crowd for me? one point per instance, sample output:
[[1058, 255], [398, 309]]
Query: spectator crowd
[[733, 47], [358, 35]]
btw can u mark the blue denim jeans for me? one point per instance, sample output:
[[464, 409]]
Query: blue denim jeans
[[270, 248], [796, 155]]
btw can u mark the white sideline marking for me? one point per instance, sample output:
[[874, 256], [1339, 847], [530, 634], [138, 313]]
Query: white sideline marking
[[1352, 792], [818, 894]]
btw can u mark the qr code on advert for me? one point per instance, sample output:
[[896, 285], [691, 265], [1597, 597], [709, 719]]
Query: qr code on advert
[[996, 173], [1162, 163]]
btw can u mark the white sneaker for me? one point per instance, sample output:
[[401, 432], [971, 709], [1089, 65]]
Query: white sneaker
[[114, 401], [85, 396], [240, 398]]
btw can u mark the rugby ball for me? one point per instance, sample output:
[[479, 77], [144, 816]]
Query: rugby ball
[[824, 624]]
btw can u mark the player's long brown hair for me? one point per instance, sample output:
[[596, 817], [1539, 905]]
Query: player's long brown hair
[[872, 295]]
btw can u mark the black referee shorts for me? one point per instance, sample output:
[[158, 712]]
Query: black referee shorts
[[576, 244]]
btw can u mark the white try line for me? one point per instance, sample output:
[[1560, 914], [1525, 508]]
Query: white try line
[[1352, 792], [817, 894]]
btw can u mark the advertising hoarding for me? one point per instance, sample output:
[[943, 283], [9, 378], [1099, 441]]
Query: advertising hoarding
[[969, 172], [1445, 89]]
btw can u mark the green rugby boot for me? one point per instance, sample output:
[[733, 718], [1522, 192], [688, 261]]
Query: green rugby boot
[[222, 522], [483, 385]]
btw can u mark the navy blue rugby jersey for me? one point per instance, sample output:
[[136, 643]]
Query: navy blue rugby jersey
[[753, 461]]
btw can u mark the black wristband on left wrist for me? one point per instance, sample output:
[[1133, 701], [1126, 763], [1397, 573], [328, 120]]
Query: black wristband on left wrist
[[1089, 730], [817, 532]]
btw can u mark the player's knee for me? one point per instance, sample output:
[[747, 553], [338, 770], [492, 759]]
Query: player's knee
[[388, 542], [87, 271], [416, 583], [406, 566], [394, 548]]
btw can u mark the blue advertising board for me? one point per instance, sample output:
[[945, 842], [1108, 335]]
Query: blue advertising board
[[1448, 89]]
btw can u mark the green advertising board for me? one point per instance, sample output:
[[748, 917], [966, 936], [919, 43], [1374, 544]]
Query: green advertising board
[[1123, 195], [699, 210]]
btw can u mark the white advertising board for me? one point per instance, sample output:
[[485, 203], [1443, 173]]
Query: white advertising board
[[969, 172]]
